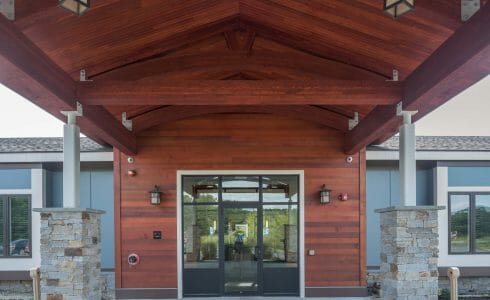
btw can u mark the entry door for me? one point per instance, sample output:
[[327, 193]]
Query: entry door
[[242, 250], [240, 235]]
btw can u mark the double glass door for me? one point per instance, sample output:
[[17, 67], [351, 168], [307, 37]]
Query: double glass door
[[240, 235]]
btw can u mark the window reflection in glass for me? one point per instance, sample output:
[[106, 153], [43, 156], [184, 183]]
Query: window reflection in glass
[[19, 226], [240, 188], [482, 223], [201, 236], [277, 188], [280, 235], [459, 223], [200, 189]]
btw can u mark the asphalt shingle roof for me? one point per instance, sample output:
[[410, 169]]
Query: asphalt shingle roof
[[423, 143], [439, 143], [46, 144]]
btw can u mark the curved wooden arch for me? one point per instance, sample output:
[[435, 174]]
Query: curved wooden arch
[[258, 64], [308, 113]]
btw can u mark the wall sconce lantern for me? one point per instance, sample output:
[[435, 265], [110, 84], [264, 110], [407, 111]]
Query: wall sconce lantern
[[77, 7], [155, 195], [325, 195], [396, 8]]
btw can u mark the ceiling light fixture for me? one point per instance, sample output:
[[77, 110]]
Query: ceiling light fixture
[[396, 8], [77, 7]]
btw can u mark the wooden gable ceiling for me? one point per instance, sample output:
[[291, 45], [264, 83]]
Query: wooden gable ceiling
[[162, 60], [114, 33]]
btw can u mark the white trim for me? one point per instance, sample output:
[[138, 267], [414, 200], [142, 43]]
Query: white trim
[[468, 189], [454, 260], [301, 175], [431, 155], [53, 157], [17, 191]]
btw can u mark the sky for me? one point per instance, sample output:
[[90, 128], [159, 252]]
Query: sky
[[465, 114]]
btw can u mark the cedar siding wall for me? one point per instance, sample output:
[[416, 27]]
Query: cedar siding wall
[[240, 142]]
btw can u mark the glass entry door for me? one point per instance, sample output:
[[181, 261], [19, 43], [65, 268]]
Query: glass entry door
[[241, 250], [240, 235]]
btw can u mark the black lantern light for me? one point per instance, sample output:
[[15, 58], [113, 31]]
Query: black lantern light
[[155, 195], [325, 195], [396, 8], [77, 7]]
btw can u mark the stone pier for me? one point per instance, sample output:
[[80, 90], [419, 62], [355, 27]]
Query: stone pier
[[409, 252], [70, 253]]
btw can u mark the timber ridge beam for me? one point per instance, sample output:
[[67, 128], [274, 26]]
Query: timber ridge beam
[[150, 91], [24, 68], [461, 61]]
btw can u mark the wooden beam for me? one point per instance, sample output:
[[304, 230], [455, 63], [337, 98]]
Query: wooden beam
[[303, 112], [238, 92], [461, 61], [25, 69]]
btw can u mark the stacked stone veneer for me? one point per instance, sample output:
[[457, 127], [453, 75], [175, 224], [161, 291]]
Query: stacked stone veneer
[[409, 252], [70, 253]]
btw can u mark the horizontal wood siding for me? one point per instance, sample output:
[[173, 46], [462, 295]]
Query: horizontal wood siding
[[240, 142]]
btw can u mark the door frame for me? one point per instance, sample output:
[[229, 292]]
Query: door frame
[[299, 173]]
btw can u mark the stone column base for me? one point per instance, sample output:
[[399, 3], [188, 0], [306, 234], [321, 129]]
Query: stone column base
[[409, 252], [70, 253]]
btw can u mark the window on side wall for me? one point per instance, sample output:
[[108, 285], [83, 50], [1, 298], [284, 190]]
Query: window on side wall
[[469, 223], [15, 226]]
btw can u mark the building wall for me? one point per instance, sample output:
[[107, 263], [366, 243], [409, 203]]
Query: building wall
[[240, 142], [96, 191], [15, 178], [383, 190]]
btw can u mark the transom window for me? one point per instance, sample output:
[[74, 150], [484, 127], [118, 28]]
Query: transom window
[[469, 223]]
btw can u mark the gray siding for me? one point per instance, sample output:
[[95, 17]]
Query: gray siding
[[15, 178], [383, 190], [96, 191], [469, 176], [54, 189]]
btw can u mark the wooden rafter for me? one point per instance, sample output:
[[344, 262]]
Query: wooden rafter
[[303, 112], [238, 92], [25, 69], [461, 61]]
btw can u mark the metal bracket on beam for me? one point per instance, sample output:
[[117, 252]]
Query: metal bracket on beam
[[7, 8], [469, 8], [354, 121], [127, 123], [73, 114], [406, 114], [83, 74], [394, 75]]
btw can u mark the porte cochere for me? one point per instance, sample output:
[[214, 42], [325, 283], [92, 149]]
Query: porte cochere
[[240, 111]]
